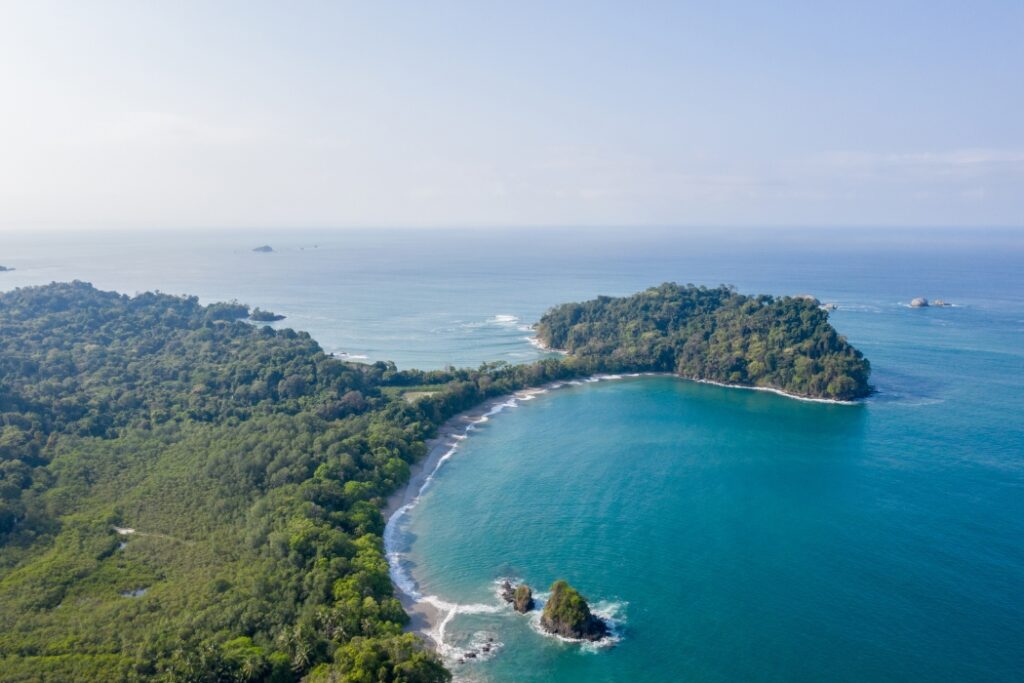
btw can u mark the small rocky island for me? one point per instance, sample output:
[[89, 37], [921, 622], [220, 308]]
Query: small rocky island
[[261, 316], [921, 302], [567, 614], [265, 249], [5, 269], [520, 597]]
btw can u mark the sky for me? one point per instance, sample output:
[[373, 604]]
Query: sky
[[184, 114]]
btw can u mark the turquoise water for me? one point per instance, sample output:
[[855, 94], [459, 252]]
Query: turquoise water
[[737, 535], [734, 535]]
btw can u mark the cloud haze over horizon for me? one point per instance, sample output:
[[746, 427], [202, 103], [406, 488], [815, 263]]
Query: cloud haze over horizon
[[240, 114]]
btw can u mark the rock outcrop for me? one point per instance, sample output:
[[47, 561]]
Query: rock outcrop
[[919, 302], [567, 614], [523, 599], [265, 249], [261, 316], [520, 597]]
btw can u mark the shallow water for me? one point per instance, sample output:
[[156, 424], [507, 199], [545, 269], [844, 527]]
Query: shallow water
[[736, 535]]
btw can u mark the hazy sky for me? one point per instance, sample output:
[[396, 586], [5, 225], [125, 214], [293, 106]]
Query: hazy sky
[[312, 114]]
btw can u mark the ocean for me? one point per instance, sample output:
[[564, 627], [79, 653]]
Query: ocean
[[729, 534]]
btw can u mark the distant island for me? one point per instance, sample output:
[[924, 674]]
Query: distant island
[[5, 269], [921, 302], [188, 496], [265, 249], [261, 316]]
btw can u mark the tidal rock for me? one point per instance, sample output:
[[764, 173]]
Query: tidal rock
[[523, 599], [940, 303], [265, 249], [919, 302], [567, 614], [520, 597]]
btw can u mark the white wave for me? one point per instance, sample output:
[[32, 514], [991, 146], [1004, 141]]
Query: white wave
[[450, 610], [859, 308], [777, 392], [345, 355], [534, 341], [506, 318]]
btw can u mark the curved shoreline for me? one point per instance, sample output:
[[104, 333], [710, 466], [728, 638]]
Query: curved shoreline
[[429, 615], [772, 390]]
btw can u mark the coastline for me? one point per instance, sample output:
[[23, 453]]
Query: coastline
[[536, 343], [771, 390], [429, 615]]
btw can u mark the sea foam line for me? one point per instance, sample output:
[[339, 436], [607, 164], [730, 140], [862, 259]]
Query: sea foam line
[[535, 342], [772, 390]]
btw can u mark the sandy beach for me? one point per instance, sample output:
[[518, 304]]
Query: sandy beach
[[425, 617]]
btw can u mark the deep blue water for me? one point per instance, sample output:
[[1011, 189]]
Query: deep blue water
[[736, 535]]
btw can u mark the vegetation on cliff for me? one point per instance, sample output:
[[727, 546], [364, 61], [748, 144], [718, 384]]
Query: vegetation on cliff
[[567, 614], [714, 334]]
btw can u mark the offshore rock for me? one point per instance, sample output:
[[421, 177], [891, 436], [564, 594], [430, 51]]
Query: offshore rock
[[523, 599], [520, 597], [567, 614]]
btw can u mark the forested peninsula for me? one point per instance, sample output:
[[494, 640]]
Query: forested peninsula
[[185, 496], [713, 334]]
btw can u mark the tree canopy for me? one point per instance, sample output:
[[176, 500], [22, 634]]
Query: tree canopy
[[714, 334]]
